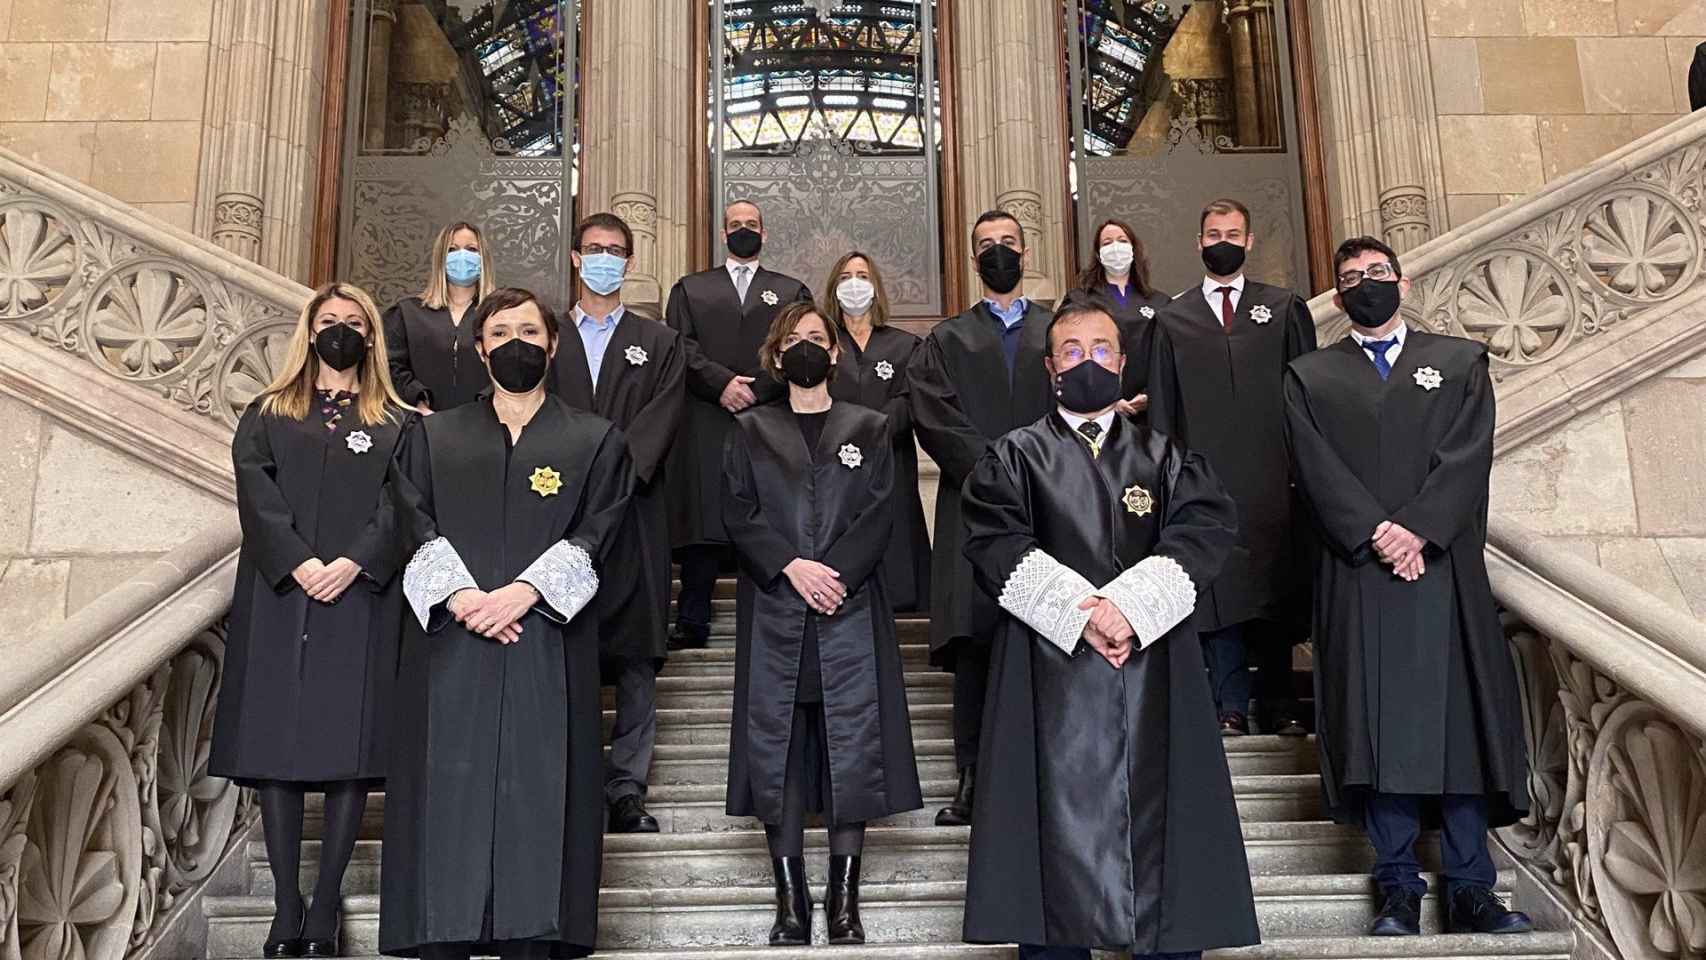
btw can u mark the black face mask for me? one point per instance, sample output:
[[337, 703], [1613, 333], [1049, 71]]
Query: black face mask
[[1001, 268], [1371, 302], [805, 364], [518, 366], [1088, 388], [1223, 259], [745, 243], [340, 346]]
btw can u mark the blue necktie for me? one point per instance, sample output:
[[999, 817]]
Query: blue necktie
[[1377, 349]]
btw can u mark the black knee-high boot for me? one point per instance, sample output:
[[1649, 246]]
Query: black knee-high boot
[[281, 823], [345, 804]]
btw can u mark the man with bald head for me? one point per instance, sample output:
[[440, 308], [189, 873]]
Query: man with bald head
[[722, 314]]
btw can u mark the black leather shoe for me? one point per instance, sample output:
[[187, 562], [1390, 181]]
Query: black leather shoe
[[1399, 916], [842, 904], [628, 815], [1478, 910], [958, 811], [685, 637], [1289, 727], [1233, 724], [317, 947], [291, 947], [793, 926]]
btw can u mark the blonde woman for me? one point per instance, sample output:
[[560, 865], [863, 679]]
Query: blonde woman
[[316, 612], [431, 348]]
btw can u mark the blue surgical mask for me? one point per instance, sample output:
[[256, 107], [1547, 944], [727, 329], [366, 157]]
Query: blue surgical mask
[[462, 267], [602, 272]]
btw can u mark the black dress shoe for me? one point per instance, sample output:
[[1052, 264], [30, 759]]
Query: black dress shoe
[[1478, 910], [628, 815], [842, 904], [685, 637], [1288, 727], [322, 947], [1233, 724], [290, 947], [1399, 916], [793, 926], [958, 811]]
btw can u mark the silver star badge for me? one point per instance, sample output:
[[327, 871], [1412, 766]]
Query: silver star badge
[[1428, 378], [769, 296], [885, 370], [635, 355], [1147, 311], [1260, 313], [851, 458], [359, 442]]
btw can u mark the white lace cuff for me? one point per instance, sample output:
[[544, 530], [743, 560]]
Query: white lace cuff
[[564, 577], [1045, 594], [1155, 596], [434, 573]]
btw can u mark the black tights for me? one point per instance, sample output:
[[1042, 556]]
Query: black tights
[[788, 838], [281, 821]]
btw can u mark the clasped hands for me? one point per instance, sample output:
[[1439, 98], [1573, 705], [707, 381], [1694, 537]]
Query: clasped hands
[[1400, 549], [1109, 633], [738, 395], [818, 585], [495, 615], [325, 582]]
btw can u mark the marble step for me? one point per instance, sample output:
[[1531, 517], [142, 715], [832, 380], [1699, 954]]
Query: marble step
[[1324, 905], [717, 692]]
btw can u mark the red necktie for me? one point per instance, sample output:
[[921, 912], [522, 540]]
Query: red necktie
[[1225, 307]]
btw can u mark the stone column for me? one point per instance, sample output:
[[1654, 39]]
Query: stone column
[[234, 158], [1011, 126], [375, 115]]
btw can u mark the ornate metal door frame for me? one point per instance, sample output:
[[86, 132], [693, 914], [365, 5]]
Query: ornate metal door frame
[[824, 196], [395, 200]]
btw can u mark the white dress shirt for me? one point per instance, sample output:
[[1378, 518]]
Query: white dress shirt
[[1392, 353], [751, 267], [1073, 420], [1211, 292]]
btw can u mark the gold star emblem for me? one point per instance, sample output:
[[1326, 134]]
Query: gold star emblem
[[1138, 501], [546, 481]]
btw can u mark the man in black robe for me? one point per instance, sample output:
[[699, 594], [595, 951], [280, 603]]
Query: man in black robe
[[629, 370], [977, 376], [1214, 387], [722, 314], [1105, 818], [1417, 708]]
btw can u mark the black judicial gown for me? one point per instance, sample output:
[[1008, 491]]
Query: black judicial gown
[[431, 358], [1415, 690], [494, 818], [722, 336], [833, 505], [1135, 315], [1218, 394], [875, 377], [1104, 815], [307, 685], [963, 399], [640, 390]]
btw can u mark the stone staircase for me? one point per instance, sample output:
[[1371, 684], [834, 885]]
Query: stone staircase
[[702, 887]]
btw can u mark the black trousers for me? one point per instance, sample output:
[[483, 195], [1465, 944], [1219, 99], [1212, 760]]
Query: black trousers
[[1394, 822], [635, 734], [1228, 654], [700, 564], [971, 689]]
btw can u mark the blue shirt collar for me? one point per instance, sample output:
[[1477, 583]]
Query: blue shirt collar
[[1012, 314], [582, 317]]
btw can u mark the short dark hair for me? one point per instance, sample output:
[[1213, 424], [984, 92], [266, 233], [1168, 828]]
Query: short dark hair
[[605, 221], [507, 298], [786, 319], [1225, 205], [993, 216], [1075, 306], [1356, 247]]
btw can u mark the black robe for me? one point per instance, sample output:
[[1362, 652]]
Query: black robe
[[875, 377], [782, 502], [640, 391], [432, 359], [1135, 317], [722, 336], [498, 790], [1218, 394], [1415, 691], [962, 399], [1104, 815], [307, 685]]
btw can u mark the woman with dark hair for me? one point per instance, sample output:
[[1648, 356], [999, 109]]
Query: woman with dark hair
[[871, 371], [1120, 271], [494, 812], [312, 649], [820, 720], [431, 347]]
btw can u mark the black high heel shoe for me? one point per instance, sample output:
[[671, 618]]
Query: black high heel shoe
[[291, 947], [793, 926], [327, 947]]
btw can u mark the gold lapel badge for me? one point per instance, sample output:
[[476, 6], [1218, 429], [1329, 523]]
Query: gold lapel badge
[[546, 481], [1138, 501]]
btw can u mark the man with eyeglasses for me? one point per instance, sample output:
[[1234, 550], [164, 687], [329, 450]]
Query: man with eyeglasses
[[628, 369], [1390, 433], [1214, 386], [1106, 818], [975, 377]]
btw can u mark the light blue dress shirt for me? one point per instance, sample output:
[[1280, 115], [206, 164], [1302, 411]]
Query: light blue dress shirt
[[595, 337]]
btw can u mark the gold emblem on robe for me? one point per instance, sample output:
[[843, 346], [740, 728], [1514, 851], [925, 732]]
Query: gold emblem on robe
[[1138, 501], [546, 482]]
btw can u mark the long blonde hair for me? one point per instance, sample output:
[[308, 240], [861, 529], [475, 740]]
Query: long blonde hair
[[437, 293], [291, 393], [879, 312]]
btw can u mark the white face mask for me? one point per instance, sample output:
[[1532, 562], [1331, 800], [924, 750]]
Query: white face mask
[[855, 294], [1116, 257]]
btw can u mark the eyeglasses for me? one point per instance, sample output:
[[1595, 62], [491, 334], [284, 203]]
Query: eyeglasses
[[1101, 353], [596, 248], [1376, 271]]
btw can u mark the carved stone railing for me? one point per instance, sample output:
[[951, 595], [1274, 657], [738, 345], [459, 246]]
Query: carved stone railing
[[108, 817]]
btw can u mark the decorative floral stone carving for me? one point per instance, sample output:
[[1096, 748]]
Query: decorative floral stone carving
[[1520, 305], [248, 365], [14, 815], [1640, 245], [146, 320], [38, 259], [195, 809]]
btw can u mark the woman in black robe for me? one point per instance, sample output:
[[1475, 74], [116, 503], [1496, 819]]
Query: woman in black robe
[[1120, 271], [871, 371], [820, 720], [433, 361], [495, 803], [312, 649]]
